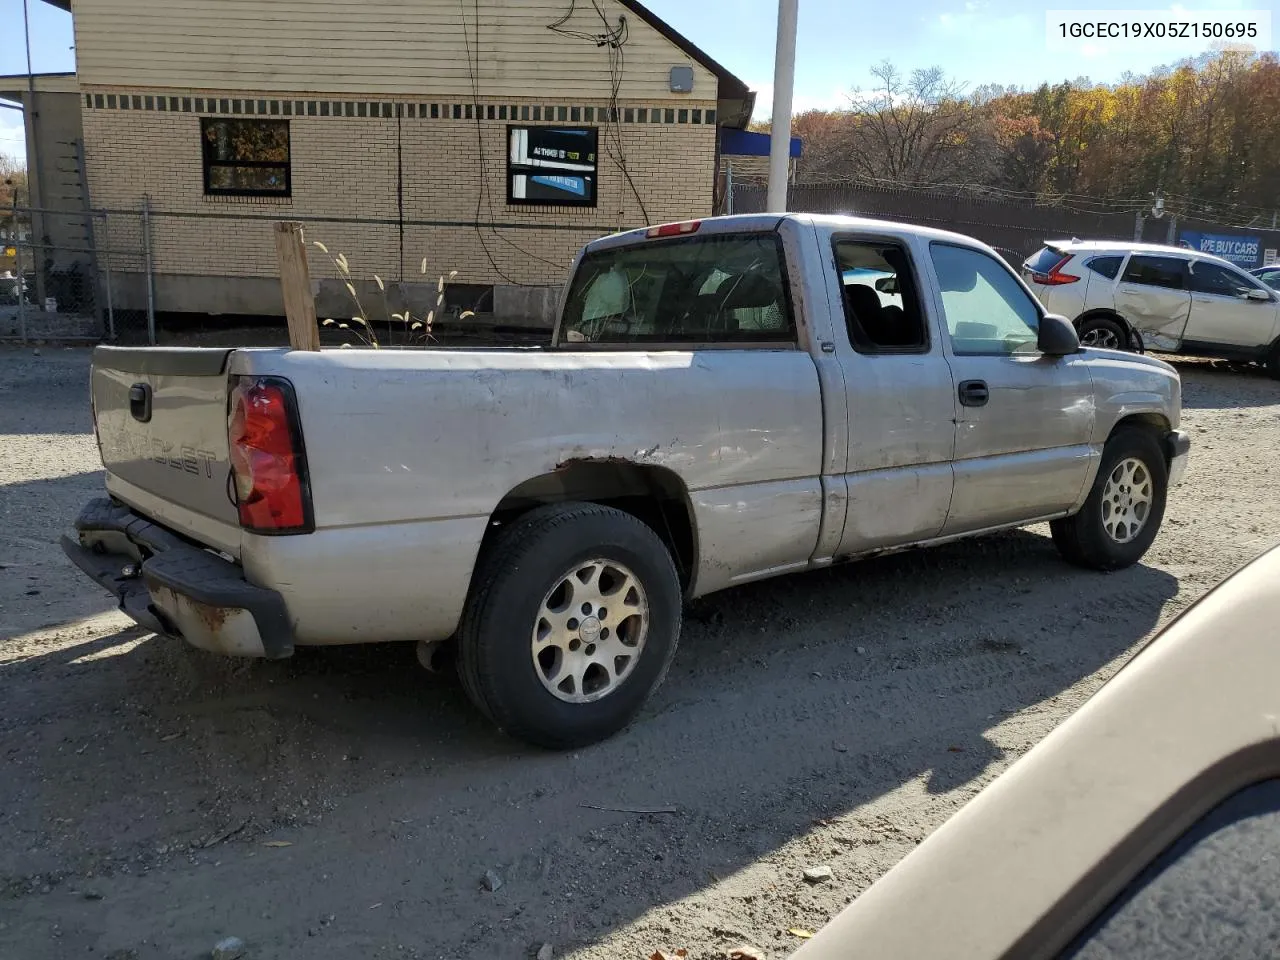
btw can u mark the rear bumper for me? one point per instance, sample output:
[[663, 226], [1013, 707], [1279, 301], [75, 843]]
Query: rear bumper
[[1177, 447], [175, 588]]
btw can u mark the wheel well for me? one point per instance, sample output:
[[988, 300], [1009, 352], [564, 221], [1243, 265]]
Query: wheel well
[[1103, 314], [653, 495], [1153, 423]]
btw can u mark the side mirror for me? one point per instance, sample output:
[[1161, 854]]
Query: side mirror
[[1058, 337], [1260, 295]]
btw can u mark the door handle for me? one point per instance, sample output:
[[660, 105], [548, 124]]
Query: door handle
[[974, 393], [140, 402]]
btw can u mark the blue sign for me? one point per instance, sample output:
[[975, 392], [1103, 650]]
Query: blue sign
[[1242, 251]]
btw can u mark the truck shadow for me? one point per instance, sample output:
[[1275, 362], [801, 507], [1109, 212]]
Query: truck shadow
[[795, 702]]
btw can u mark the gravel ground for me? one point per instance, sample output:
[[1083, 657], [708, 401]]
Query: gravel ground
[[154, 799]]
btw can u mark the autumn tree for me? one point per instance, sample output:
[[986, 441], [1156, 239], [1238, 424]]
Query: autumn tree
[[1204, 133]]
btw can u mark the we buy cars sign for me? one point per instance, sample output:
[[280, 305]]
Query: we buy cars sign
[[1242, 251]]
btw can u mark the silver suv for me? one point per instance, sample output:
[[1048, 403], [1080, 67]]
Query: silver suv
[[1137, 296]]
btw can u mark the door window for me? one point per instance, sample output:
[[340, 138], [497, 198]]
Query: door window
[[882, 311], [1211, 894], [1107, 266], [1218, 280], [988, 312], [1167, 272]]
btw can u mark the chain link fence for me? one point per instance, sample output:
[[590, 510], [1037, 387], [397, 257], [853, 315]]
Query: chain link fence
[[68, 276], [1015, 228]]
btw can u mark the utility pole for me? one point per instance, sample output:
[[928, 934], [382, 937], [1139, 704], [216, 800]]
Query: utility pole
[[784, 78], [35, 185]]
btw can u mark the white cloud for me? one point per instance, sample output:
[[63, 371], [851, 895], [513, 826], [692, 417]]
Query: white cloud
[[803, 100]]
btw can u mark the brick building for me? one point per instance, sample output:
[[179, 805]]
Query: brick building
[[398, 133]]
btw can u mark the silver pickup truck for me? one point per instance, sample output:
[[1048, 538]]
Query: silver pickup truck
[[722, 401]]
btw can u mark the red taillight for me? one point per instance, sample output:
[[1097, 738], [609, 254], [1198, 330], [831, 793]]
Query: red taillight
[[674, 229], [267, 460], [1054, 278]]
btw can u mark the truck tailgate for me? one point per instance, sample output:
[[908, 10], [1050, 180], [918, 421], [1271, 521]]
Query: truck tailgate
[[161, 416]]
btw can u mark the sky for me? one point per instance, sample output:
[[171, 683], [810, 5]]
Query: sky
[[974, 41]]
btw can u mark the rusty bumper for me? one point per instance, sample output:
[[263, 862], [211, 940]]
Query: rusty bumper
[[175, 587]]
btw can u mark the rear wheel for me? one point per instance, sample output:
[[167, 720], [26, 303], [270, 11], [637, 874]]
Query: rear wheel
[[1122, 515], [1104, 333], [571, 625]]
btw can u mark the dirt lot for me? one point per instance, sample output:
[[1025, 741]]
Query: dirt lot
[[148, 791]]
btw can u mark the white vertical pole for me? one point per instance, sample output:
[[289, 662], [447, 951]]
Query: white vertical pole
[[784, 76]]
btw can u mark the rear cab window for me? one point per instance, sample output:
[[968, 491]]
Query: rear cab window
[[720, 289]]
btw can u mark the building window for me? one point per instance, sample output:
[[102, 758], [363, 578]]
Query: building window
[[552, 166], [246, 158]]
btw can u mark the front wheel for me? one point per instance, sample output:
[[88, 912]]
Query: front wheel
[[571, 624], [1122, 515]]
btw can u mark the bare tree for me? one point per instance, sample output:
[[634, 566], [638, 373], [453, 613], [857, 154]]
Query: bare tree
[[920, 127]]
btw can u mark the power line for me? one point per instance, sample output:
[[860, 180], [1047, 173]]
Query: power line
[[473, 67], [614, 40]]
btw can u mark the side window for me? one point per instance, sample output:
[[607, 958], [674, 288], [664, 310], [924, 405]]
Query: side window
[[1105, 266], [881, 305], [694, 290], [1271, 277], [1210, 894], [988, 312], [1215, 279], [1168, 272]]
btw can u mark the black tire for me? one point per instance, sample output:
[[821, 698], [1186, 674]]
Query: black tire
[[1083, 539], [1272, 363], [1105, 333], [513, 577]]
